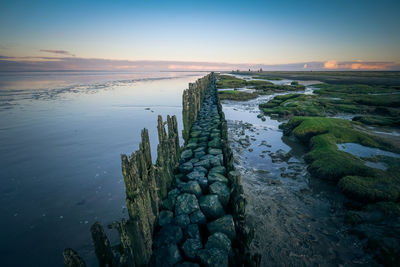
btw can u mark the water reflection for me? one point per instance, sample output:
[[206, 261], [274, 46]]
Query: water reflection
[[60, 155]]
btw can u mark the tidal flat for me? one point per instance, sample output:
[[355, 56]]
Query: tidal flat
[[289, 147]]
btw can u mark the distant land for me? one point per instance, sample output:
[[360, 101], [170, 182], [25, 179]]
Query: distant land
[[72, 63]]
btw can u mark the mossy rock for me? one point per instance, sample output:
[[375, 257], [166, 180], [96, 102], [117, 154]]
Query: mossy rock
[[370, 188], [326, 161]]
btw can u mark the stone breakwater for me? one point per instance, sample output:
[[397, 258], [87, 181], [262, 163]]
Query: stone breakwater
[[189, 208]]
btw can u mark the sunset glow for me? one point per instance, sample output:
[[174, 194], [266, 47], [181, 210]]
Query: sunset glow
[[228, 34]]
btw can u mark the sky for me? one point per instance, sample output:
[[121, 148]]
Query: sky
[[200, 35]]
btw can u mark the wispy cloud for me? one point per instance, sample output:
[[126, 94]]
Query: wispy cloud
[[58, 52]]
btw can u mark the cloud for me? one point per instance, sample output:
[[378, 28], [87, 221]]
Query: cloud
[[360, 65], [58, 52], [331, 64], [370, 66]]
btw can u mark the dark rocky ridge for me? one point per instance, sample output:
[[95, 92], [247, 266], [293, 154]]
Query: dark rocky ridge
[[189, 208]]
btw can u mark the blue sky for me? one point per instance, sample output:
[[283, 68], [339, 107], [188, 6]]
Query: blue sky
[[234, 32]]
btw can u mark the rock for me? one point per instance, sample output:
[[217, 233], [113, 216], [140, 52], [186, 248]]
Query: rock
[[220, 241], [244, 142], [195, 133], [215, 135], [211, 207], [169, 203], [222, 191], [280, 155], [213, 257], [191, 146], [193, 140], [199, 177], [182, 220], [203, 182], [186, 167], [168, 255], [191, 187], [198, 217], [208, 156], [200, 169], [199, 149], [214, 151], [193, 231], [195, 175], [215, 161], [215, 143], [186, 204], [169, 234], [186, 155], [216, 177], [194, 160], [215, 130], [165, 217], [203, 163], [190, 248], [224, 225], [218, 169], [205, 133], [203, 139], [198, 155]]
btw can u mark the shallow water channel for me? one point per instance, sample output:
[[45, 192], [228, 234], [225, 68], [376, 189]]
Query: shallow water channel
[[297, 220]]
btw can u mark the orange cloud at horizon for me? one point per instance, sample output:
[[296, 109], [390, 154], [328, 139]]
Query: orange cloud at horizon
[[333, 64]]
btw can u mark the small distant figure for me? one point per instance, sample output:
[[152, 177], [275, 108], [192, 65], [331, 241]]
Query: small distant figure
[[249, 70]]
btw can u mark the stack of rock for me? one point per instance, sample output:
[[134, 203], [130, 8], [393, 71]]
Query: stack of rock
[[194, 225]]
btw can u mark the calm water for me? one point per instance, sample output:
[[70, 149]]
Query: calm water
[[61, 136]]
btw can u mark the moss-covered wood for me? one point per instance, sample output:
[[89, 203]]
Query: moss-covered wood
[[191, 103]]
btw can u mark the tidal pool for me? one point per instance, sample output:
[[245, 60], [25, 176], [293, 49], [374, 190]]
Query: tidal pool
[[365, 151], [61, 136]]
